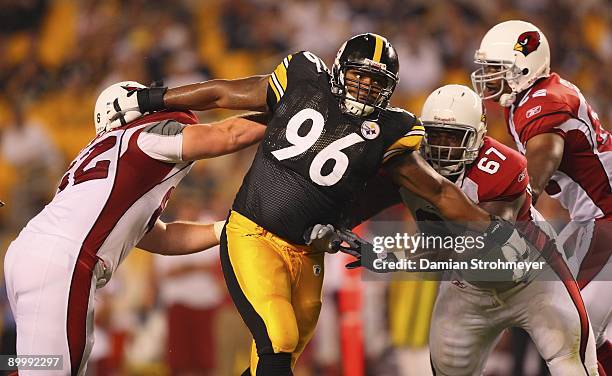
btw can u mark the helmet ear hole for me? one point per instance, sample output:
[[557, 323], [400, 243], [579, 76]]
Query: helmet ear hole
[[525, 71]]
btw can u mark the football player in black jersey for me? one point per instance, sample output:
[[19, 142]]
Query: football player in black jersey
[[329, 133]]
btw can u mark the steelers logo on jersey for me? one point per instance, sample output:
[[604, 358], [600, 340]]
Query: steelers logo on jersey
[[370, 130]]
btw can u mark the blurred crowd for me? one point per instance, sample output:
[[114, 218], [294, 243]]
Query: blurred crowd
[[56, 55]]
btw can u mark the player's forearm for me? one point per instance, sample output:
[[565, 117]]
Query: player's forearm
[[212, 140], [544, 153], [199, 96], [182, 238], [413, 173], [539, 180], [243, 94], [507, 210], [456, 207], [244, 132]]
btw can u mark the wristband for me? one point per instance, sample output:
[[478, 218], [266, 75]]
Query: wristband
[[151, 99], [499, 231], [218, 228]]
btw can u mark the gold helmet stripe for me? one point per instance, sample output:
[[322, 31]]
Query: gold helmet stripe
[[378, 48]]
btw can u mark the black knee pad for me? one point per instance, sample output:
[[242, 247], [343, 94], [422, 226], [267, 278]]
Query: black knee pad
[[274, 365]]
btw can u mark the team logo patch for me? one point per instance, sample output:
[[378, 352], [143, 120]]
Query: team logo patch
[[375, 64], [370, 130], [130, 89], [316, 269], [533, 111], [527, 42]]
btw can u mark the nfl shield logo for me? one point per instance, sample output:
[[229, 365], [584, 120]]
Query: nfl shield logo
[[370, 130], [316, 269]]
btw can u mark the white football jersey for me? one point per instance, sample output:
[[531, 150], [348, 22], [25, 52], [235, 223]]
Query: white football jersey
[[116, 188]]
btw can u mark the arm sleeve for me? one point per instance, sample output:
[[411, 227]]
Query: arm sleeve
[[293, 70], [543, 118], [163, 141], [277, 83], [408, 142]]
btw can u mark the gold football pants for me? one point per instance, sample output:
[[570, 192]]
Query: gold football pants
[[275, 285]]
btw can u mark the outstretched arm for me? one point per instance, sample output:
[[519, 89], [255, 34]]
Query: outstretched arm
[[413, 173], [227, 136], [181, 238], [241, 94], [507, 210]]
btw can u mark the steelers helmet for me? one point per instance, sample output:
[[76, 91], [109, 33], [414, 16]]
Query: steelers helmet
[[371, 55]]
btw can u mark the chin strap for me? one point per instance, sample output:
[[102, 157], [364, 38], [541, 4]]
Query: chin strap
[[355, 107]]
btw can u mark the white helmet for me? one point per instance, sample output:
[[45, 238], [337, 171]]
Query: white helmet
[[456, 110], [101, 120], [519, 51]]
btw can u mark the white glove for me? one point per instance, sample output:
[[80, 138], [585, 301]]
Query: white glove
[[123, 109], [103, 273], [516, 250], [321, 237], [129, 105]]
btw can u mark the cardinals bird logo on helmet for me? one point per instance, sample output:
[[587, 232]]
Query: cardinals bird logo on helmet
[[527, 42]]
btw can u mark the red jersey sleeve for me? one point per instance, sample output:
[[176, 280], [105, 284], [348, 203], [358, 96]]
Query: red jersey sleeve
[[550, 104], [499, 172], [541, 117]]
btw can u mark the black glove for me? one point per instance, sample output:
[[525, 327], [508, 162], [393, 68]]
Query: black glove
[[363, 251], [498, 232], [322, 238]]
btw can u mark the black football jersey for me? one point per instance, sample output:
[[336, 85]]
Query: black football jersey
[[315, 159]]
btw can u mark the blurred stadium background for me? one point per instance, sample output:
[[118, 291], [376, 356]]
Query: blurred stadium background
[[158, 316]]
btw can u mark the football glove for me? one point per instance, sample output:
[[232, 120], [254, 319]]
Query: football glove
[[322, 238], [134, 103], [516, 250], [102, 273], [499, 232], [363, 251], [503, 235]]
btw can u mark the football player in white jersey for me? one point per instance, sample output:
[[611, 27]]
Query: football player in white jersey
[[108, 202], [569, 153], [470, 313]]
